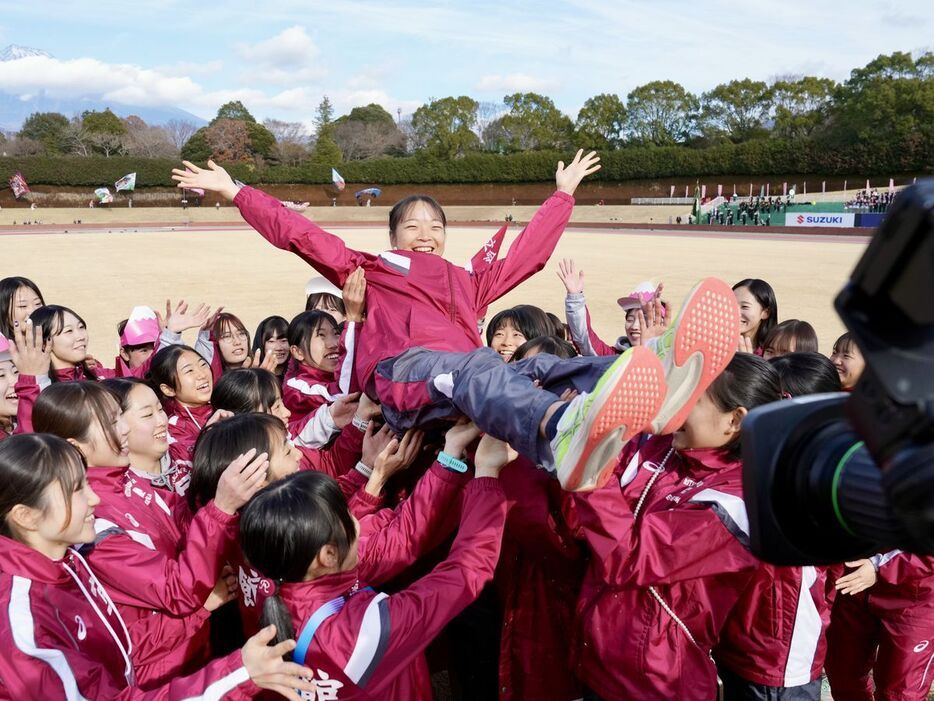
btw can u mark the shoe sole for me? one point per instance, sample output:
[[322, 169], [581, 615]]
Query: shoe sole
[[705, 342], [628, 401]]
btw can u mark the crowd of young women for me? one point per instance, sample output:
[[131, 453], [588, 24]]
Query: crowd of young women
[[359, 501]]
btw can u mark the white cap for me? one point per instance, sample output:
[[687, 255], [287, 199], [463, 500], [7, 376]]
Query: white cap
[[320, 284]]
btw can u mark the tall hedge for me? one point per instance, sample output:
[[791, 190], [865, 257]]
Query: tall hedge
[[764, 157]]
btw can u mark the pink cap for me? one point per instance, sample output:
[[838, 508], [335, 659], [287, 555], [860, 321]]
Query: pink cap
[[5, 349], [142, 327], [643, 294]]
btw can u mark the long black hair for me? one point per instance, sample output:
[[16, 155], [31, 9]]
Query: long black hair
[[747, 382], [245, 390], [765, 297], [163, 370], [8, 288], [220, 444], [806, 373], [303, 328], [283, 528], [51, 319], [269, 328]]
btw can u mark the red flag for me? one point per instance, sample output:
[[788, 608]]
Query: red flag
[[18, 185]]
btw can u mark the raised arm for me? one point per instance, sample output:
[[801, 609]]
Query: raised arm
[[280, 226], [534, 246]]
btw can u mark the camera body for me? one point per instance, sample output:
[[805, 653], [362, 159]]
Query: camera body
[[836, 477]]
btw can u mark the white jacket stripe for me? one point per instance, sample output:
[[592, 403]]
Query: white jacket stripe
[[806, 633], [729, 508], [218, 689], [315, 390], [24, 637], [371, 640], [350, 341]]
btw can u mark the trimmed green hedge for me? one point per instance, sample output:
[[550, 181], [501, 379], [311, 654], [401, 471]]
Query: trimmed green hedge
[[765, 157]]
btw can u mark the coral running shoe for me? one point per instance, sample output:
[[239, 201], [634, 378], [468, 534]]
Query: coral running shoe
[[593, 428], [695, 349]]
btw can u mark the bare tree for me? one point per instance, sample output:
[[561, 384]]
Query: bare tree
[[360, 140], [77, 139], [487, 113], [292, 141], [179, 131], [22, 146]]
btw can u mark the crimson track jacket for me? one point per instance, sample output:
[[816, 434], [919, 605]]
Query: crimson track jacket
[[63, 638], [305, 388], [160, 565], [690, 542], [538, 580], [776, 634], [185, 425], [413, 299], [372, 648], [389, 540]]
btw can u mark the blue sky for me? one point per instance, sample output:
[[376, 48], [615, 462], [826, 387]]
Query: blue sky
[[281, 56]]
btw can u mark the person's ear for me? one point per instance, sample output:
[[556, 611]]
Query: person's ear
[[24, 518], [166, 390], [124, 355], [736, 419], [328, 557], [297, 354]]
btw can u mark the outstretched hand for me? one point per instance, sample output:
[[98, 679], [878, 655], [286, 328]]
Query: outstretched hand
[[571, 276], [268, 670], [568, 178], [30, 354], [213, 178], [354, 296]]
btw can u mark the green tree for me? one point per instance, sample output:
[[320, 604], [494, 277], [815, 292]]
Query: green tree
[[46, 128], [105, 122], [324, 114], [370, 114], [737, 110], [446, 127], [262, 141], [661, 112], [800, 105], [533, 122], [600, 122], [326, 151], [234, 110], [890, 99], [197, 149]]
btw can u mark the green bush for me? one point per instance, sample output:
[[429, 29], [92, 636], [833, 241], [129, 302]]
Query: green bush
[[762, 157]]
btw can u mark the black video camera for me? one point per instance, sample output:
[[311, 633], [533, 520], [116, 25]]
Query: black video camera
[[835, 477]]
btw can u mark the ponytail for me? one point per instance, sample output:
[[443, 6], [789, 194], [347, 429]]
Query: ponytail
[[275, 613]]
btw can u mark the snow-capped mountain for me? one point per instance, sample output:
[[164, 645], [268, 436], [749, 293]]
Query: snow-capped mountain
[[15, 108], [14, 52]]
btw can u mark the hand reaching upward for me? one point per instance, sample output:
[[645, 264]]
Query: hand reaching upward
[[568, 178], [213, 178]]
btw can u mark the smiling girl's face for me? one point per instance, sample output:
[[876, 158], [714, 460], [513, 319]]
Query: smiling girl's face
[[70, 345]]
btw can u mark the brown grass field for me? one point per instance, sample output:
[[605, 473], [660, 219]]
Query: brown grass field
[[103, 275]]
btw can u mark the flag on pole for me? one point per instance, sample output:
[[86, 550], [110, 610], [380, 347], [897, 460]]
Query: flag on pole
[[867, 184], [805, 187], [337, 180], [672, 193], [823, 186], [891, 185], [695, 210], [750, 189], [103, 195], [734, 189], [761, 191], [686, 191], [844, 186], [719, 190], [784, 188], [767, 188], [127, 182], [18, 185], [703, 192]]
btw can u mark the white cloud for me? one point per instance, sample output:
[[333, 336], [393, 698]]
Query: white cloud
[[82, 77], [514, 82], [290, 57]]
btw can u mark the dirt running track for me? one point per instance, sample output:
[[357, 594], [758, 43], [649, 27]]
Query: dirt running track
[[103, 275]]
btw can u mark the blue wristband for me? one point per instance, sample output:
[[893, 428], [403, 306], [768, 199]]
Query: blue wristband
[[452, 463]]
